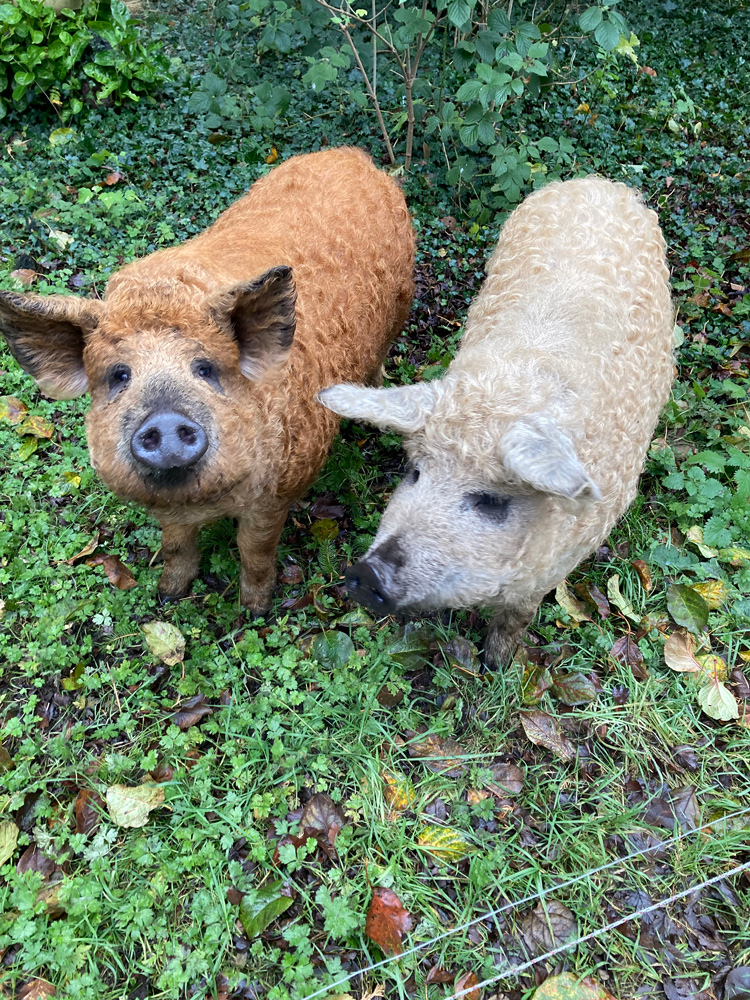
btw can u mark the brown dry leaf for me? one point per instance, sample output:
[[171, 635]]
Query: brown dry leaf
[[549, 925], [89, 806], [544, 730], [387, 921], [191, 710], [438, 974], [117, 572], [461, 655], [507, 779], [398, 793], [37, 989], [26, 275], [33, 860], [591, 593], [625, 650], [644, 574], [679, 653], [87, 549], [113, 178], [476, 795], [12, 409], [465, 984], [713, 592], [290, 574], [322, 819], [440, 754]]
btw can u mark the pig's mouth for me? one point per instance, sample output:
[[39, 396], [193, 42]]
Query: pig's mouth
[[169, 479]]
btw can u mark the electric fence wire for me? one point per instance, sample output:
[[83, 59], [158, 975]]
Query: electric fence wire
[[513, 970]]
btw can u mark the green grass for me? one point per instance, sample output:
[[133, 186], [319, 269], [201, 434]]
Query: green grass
[[85, 705]]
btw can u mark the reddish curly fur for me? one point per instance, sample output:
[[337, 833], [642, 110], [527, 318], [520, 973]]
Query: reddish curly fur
[[343, 227]]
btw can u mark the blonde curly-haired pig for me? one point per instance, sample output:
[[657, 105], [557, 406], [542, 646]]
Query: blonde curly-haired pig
[[526, 453], [203, 360]]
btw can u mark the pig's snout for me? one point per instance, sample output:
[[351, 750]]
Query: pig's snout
[[167, 440], [370, 581]]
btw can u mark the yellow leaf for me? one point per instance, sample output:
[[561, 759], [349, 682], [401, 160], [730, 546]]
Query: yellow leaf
[[570, 604], [695, 535], [616, 597], [272, 156], [165, 641], [713, 592], [8, 840], [712, 666], [37, 426], [28, 447], [583, 108], [130, 806], [745, 655], [567, 986], [444, 843], [735, 555], [398, 793], [12, 409]]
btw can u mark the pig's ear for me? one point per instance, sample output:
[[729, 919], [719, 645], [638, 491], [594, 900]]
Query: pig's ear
[[540, 454], [46, 336], [260, 315], [404, 409]]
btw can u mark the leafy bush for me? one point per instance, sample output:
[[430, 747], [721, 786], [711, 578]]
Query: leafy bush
[[68, 56], [459, 76]]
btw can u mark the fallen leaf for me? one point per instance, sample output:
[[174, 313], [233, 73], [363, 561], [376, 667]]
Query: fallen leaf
[[537, 678], [687, 607], [735, 555], [574, 689], [465, 984], [738, 680], [644, 574], [387, 921], [34, 860], [444, 843], [332, 649], [25, 275], [88, 809], [737, 983], [718, 702], [259, 907], [322, 819], [8, 840], [272, 156], [325, 530], [695, 535], [117, 573], [87, 549], [130, 807], [38, 427], [550, 924], [567, 986], [679, 653], [12, 409], [617, 598], [570, 604], [507, 779], [398, 793], [7, 763], [29, 445], [113, 178], [544, 730], [37, 989], [674, 805], [290, 574], [461, 655], [191, 711], [440, 754], [412, 644], [625, 650], [712, 666], [165, 641], [438, 974], [591, 593], [326, 507], [60, 237]]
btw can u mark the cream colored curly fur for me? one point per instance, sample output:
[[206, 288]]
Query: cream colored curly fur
[[567, 352]]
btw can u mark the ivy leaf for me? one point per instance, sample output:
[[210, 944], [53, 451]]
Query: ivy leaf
[[687, 607], [259, 907]]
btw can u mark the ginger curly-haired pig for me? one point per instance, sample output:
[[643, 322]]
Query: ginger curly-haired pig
[[529, 449], [203, 360]]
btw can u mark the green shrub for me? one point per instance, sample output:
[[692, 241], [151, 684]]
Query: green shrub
[[94, 54]]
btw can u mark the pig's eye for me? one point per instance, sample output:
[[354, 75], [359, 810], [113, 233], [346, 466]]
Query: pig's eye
[[205, 370], [489, 505], [412, 475], [119, 377]]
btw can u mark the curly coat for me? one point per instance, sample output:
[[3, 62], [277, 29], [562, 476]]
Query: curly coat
[[302, 282], [529, 449]]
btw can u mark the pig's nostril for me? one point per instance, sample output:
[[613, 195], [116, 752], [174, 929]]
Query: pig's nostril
[[368, 586], [186, 434], [151, 439]]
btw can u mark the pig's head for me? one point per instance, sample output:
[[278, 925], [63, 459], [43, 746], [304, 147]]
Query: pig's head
[[172, 369], [486, 498]]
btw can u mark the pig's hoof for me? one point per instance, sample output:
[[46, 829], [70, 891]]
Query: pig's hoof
[[171, 598]]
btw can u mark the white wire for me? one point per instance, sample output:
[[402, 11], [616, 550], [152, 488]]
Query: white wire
[[522, 902], [514, 970]]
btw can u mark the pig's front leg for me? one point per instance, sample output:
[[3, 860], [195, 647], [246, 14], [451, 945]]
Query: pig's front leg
[[257, 539], [179, 546], [505, 631]]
